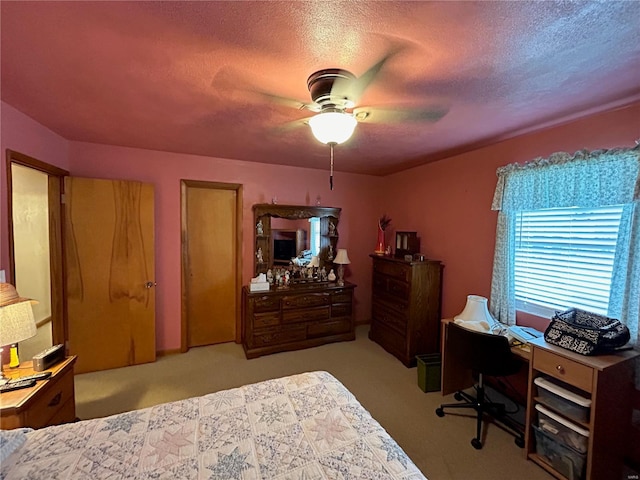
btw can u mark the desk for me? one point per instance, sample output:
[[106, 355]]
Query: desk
[[606, 379], [453, 376]]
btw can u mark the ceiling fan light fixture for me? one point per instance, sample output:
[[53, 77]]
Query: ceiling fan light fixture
[[332, 127]]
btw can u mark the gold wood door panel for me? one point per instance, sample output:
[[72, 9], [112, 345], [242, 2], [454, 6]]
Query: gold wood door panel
[[210, 270], [109, 248]]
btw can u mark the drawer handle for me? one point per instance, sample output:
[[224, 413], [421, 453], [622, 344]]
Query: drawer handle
[[560, 369], [55, 400]]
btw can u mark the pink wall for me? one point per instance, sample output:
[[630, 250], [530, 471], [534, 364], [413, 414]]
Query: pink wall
[[355, 194], [22, 134], [446, 202], [449, 202]]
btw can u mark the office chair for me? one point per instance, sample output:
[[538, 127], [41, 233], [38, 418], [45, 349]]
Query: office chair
[[483, 354]]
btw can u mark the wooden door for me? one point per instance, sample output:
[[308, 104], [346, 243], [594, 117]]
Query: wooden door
[[109, 249], [210, 263]]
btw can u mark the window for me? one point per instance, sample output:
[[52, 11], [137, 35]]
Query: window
[[314, 233], [573, 249], [564, 258]]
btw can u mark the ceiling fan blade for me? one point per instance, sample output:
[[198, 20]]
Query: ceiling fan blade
[[285, 101], [354, 89], [290, 126], [399, 115], [230, 83]]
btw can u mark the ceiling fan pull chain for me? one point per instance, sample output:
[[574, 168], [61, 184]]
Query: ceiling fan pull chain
[[331, 174]]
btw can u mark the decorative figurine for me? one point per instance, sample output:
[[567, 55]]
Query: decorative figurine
[[259, 229], [270, 277], [330, 253], [332, 229], [259, 255], [332, 276], [323, 275]]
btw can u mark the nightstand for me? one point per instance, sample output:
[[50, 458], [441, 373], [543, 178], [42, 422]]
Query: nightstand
[[48, 402]]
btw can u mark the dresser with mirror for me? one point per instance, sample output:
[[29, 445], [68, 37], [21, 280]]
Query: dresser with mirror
[[283, 232], [309, 310]]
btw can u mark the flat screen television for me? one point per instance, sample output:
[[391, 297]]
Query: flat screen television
[[284, 250]]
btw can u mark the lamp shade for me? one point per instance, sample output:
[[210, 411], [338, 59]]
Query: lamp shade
[[332, 127], [17, 323], [314, 262], [342, 258], [9, 295], [475, 310]]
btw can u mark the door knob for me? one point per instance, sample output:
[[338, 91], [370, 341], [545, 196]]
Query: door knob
[[150, 284]]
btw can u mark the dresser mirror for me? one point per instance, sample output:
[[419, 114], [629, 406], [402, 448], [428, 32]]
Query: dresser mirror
[[293, 232]]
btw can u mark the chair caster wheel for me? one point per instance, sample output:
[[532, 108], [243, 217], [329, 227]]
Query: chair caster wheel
[[477, 444], [440, 412], [458, 396], [520, 442]]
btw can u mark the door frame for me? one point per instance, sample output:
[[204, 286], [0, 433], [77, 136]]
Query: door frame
[[56, 246], [184, 186]]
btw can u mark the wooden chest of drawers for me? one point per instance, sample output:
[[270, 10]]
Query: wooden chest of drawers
[[405, 310], [49, 402], [298, 317]]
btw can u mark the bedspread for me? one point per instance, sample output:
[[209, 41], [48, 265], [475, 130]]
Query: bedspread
[[304, 426]]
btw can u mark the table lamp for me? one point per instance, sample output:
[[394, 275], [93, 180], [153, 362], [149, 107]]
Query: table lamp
[[342, 259], [313, 265], [476, 315], [17, 322]]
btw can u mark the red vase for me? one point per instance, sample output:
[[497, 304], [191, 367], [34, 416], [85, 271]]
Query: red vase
[[380, 248]]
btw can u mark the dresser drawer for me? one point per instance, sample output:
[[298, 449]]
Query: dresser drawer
[[401, 307], [276, 336], [391, 340], [306, 301], [389, 317], [262, 320], [49, 404], [66, 414], [305, 315], [399, 289], [341, 310], [266, 303], [395, 270], [388, 286], [562, 368], [341, 296], [333, 327]]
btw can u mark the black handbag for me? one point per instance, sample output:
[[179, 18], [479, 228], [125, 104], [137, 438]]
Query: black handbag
[[586, 333]]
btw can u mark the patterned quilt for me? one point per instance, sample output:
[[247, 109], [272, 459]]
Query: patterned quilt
[[306, 426]]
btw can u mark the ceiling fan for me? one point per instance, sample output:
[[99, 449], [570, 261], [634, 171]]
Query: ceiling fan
[[335, 95]]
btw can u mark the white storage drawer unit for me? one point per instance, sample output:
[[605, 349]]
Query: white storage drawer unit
[[565, 401], [564, 430]]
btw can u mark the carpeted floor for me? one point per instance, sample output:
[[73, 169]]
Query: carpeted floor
[[440, 447]]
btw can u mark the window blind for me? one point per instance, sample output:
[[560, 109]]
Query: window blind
[[564, 258]]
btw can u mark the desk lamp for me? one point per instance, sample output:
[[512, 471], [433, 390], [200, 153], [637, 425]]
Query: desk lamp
[[17, 322], [342, 259], [476, 315]]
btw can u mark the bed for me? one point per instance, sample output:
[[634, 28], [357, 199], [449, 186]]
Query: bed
[[305, 426]]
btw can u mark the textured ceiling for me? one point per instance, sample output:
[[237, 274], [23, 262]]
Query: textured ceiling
[[214, 78]]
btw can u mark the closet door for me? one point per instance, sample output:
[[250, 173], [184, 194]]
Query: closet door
[[109, 250], [210, 243]]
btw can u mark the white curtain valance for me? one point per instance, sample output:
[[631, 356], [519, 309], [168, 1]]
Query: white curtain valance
[[584, 179]]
